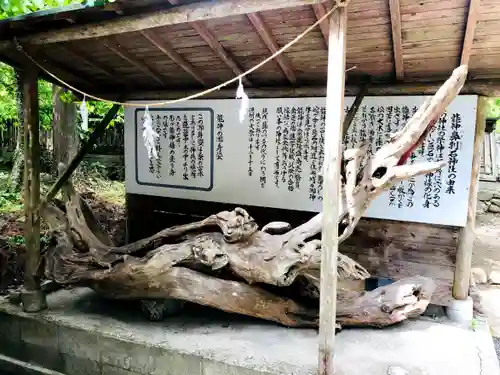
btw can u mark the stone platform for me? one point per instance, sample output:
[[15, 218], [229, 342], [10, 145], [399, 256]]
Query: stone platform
[[82, 334]]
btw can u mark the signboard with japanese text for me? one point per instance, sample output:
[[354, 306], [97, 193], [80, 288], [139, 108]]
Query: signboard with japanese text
[[274, 158]]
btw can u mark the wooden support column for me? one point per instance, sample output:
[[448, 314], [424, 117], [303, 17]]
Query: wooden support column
[[331, 188], [466, 236], [33, 298]]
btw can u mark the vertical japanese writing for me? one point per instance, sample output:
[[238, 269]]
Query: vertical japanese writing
[[321, 153], [164, 127], [400, 187], [278, 143], [354, 133], [285, 145], [257, 130], [291, 158], [371, 130], [251, 135], [299, 146], [453, 146], [185, 150], [429, 182], [440, 147], [364, 124], [313, 165], [263, 148], [219, 151], [192, 148], [158, 124], [307, 133], [201, 145], [388, 131], [178, 131], [380, 127], [171, 145]]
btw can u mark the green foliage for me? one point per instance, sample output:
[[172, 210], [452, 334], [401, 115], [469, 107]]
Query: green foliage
[[10, 8]]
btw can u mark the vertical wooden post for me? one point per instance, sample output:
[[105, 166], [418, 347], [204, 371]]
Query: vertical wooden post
[[33, 298], [466, 236], [331, 188]]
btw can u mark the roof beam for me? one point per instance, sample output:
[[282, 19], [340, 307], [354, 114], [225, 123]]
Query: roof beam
[[470, 31], [319, 11], [397, 39], [168, 50], [124, 54], [188, 13], [484, 87], [223, 54], [87, 60], [61, 71], [268, 39]]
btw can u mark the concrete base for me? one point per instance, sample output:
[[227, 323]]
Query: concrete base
[[83, 334], [461, 311]]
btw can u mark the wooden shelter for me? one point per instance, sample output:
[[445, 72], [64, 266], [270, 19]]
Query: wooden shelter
[[152, 49]]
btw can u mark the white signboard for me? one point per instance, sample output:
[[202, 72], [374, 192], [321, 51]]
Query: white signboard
[[274, 158]]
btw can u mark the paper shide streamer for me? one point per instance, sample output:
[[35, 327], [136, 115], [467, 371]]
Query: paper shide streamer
[[84, 113], [149, 135], [245, 101]]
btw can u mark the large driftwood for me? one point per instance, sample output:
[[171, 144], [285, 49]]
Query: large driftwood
[[226, 262]]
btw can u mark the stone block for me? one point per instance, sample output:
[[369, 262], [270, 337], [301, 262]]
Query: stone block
[[219, 368], [47, 357], [80, 366], [112, 370], [39, 332], [79, 343], [494, 277], [9, 327], [481, 208], [485, 195], [495, 201], [494, 208], [166, 362], [126, 355], [478, 276]]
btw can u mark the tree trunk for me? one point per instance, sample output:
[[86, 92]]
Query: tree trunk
[[16, 176], [64, 129]]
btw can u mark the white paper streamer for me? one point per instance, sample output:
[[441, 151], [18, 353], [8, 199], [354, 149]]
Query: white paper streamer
[[241, 94], [149, 135], [85, 114]]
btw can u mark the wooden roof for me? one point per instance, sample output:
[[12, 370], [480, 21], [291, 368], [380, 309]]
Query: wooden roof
[[203, 43]]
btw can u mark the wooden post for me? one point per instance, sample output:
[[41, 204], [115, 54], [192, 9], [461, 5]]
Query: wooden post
[[33, 298], [331, 188], [466, 236]]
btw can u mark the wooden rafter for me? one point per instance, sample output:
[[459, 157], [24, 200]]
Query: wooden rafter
[[168, 50], [172, 16], [82, 56], [470, 31], [268, 39], [61, 71], [219, 49], [397, 39], [319, 11], [114, 46]]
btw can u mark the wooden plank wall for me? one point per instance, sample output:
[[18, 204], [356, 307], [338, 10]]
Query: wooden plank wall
[[432, 32], [393, 249]]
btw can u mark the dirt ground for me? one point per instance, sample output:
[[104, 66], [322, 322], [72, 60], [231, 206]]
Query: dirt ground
[[110, 215]]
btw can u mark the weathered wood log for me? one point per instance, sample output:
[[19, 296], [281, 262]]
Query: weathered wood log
[[225, 261]]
